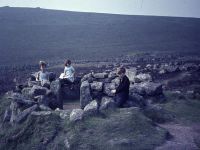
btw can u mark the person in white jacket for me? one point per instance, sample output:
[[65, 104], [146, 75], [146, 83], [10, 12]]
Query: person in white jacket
[[68, 76]]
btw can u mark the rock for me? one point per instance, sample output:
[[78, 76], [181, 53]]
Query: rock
[[188, 67], [19, 87], [32, 83], [142, 78], [100, 75], [147, 89], [13, 108], [33, 76], [26, 92], [107, 103], [152, 89], [64, 114], [158, 114], [112, 75], [55, 86], [52, 76], [44, 108], [97, 86], [131, 73], [172, 69], [87, 77], [7, 115], [116, 81], [41, 113], [76, 115], [23, 115], [108, 87], [91, 108], [85, 95], [13, 95], [67, 144], [38, 90], [46, 84], [137, 100], [137, 88], [162, 71], [24, 102]]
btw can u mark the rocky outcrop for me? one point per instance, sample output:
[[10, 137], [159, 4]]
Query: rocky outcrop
[[99, 86]]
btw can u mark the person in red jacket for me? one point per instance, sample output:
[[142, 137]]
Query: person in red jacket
[[122, 91]]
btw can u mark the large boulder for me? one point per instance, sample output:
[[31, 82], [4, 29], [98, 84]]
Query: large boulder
[[116, 81], [100, 75], [52, 76], [91, 108], [76, 115], [38, 90], [142, 77], [153, 89], [88, 77], [55, 86], [22, 116], [85, 95], [107, 103], [97, 86], [26, 91], [112, 75], [131, 73], [108, 87], [147, 89]]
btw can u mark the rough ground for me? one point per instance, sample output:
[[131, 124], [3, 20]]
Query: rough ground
[[183, 137]]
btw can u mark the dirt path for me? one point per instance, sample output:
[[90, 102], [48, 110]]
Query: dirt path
[[183, 137], [72, 105]]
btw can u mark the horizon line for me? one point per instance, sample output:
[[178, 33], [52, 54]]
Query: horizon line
[[151, 15]]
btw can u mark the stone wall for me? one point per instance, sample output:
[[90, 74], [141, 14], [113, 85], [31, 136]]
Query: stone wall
[[98, 86]]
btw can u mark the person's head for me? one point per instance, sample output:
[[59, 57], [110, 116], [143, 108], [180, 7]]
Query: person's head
[[68, 62], [42, 65], [121, 71]]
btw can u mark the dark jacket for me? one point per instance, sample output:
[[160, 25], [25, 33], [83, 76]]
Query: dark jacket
[[123, 88]]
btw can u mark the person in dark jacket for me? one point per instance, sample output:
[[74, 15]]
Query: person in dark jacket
[[122, 91]]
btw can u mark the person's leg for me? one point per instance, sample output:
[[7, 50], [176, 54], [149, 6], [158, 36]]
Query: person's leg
[[119, 101]]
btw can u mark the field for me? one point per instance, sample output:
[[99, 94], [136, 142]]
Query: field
[[32, 34]]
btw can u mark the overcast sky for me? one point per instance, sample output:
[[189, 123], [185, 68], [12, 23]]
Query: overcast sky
[[184, 8]]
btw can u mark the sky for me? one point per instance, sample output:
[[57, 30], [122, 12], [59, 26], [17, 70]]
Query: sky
[[180, 8]]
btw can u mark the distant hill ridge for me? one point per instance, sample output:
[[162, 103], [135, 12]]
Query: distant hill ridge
[[29, 34]]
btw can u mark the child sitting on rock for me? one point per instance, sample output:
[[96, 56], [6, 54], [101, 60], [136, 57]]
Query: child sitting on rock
[[68, 76], [43, 75], [122, 91]]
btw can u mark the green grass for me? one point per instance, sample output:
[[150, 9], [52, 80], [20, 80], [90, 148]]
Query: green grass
[[4, 103], [31, 134], [185, 109], [128, 124]]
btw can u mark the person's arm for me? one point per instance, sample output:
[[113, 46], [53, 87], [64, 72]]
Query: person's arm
[[73, 71], [38, 76], [64, 71]]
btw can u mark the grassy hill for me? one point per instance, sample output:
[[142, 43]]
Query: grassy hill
[[31, 34]]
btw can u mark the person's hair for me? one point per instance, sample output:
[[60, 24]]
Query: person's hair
[[42, 63], [68, 62], [121, 70]]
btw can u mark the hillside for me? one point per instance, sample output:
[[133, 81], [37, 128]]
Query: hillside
[[31, 34]]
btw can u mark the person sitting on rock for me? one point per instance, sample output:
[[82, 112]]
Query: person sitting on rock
[[68, 76], [122, 91], [43, 75]]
